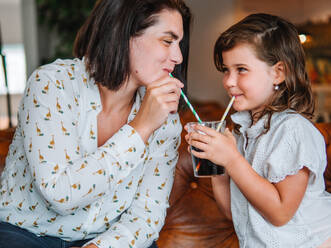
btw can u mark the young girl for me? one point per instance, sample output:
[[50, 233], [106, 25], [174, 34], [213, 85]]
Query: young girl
[[273, 188]]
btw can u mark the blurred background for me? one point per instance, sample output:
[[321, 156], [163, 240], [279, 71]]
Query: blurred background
[[35, 32]]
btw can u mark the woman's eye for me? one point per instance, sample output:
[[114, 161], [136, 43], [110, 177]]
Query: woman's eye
[[168, 42]]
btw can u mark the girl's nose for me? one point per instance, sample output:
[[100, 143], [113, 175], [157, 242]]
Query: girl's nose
[[229, 80], [176, 55]]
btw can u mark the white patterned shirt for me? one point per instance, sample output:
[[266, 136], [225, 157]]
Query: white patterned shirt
[[58, 182], [291, 143]]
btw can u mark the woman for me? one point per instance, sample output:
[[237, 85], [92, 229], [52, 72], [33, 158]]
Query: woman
[[95, 148]]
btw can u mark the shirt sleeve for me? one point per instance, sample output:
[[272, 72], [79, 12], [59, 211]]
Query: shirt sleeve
[[295, 144], [142, 222], [66, 179]]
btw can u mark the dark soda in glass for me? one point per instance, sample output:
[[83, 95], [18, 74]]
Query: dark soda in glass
[[204, 167]]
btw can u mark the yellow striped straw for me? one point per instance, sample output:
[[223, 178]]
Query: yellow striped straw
[[225, 113]]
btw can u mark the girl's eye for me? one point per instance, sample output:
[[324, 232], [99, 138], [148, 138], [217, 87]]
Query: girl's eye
[[241, 69], [225, 70]]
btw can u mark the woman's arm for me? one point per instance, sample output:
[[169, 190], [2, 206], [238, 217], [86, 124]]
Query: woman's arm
[[65, 176], [221, 191], [141, 223]]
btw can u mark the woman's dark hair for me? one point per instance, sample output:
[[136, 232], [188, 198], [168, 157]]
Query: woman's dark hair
[[104, 39], [274, 40]]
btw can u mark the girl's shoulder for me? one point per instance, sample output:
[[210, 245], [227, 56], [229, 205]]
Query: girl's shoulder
[[295, 126]]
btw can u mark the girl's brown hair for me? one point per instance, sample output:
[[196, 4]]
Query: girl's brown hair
[[273, 39]]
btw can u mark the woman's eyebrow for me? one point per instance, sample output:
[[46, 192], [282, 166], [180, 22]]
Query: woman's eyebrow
[[172, 34]]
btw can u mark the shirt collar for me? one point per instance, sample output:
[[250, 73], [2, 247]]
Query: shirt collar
[[244, 120]]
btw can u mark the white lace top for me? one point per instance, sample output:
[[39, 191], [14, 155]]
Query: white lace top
[[291, 143]]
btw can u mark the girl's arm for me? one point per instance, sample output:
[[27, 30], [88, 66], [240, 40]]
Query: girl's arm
[[275, 202], [221, 190]]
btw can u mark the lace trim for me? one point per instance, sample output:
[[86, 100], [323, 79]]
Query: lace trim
[[278, 178]]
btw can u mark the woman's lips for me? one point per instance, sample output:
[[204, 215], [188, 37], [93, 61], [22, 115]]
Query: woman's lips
[[168, 70]]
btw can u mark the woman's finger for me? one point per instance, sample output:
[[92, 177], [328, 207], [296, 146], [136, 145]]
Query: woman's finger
[[166, 86]]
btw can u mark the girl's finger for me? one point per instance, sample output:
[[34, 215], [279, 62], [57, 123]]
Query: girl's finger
[[198, 154], [188, 149], [200, 137], [187, 138], [199, 145], [229, 134], [207, 130]]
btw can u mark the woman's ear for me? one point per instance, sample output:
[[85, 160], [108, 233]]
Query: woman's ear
[[279, 69]]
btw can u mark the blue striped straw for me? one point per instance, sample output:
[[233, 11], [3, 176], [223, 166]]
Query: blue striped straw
[[189, 104]]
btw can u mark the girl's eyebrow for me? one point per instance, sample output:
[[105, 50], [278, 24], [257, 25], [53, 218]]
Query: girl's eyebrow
[[224, 65]]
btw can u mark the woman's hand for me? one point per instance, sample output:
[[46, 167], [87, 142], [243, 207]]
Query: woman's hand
[[161, 98], [220, 148], [89, 246]]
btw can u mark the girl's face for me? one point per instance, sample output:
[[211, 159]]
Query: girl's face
[[155, 53], [247, 78]]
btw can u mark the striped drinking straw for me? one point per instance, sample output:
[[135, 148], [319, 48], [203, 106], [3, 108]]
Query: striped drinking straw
[[189, 104], [225, 113]]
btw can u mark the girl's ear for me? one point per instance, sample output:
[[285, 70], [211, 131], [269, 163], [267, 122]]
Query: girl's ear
[[279, 70]]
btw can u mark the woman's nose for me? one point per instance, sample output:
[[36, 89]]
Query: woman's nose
[[176, 55]]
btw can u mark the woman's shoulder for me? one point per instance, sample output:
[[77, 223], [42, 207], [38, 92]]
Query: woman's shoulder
[[64, 64], [64, 75], [64, 69]]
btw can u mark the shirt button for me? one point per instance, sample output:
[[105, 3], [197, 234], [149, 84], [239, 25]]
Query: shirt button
[[194, 185]]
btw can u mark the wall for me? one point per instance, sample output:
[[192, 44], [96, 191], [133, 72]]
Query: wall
[[296, 11], [210, 19], [10, 19], [29, 26]]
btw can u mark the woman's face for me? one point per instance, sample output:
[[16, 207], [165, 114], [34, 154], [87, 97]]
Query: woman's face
[[154, 54]]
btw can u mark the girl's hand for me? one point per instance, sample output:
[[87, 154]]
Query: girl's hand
[[220, 148], [161, 98]]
